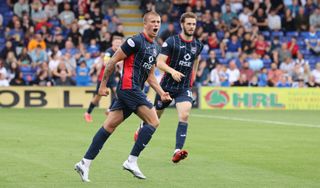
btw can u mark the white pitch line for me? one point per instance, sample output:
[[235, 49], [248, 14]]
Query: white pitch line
[[256, 120]]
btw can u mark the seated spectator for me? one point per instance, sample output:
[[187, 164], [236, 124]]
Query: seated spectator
[[294, 7], [70, 63], [315, 50], [246, 43], [214, 75], [244, 17], [262, 20], [97, 17], [297, 73], [3, 80], [3, 70], [214, 6], [242, 82], [43, 77], [312, 38], [38, 56], [61, 67], [283, 53], [64, 79], [207, 24], [202, 77], [213, 41], [82, 74], [7, 48], [288, 21], [233, 72], [263, 77], [274, 21], [224, 76], [18, 80], [228, 15], [284, 81], [212, 61], [37, 13], [309, 7], [255, 62], [254, 81], [20, 7], [315, 19], [51, 9], [261, 46], [245, 69], [67, 16], [90, 33], [316, 73], [93, 48], [301, 20], [24, 58], [274, 75], [233, 47], [311, 82], [69, 48], [35, 41], [54, 62], [167, 33], [293, 47], [287, 66]]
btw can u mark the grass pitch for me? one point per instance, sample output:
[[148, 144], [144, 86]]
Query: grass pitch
[[39, 147]]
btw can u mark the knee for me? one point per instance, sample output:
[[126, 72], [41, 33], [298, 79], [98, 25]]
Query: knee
[[184, 116], [154, 123], [109, 127]]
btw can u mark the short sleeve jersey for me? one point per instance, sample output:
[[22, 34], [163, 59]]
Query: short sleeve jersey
[[141, 54], [181, 57]]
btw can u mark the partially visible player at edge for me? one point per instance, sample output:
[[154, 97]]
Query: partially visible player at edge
[[139, 54], [179, 58], [116, 43]]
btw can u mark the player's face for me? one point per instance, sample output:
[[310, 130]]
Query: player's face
[[152, 25], [116, 43], [189, 26]]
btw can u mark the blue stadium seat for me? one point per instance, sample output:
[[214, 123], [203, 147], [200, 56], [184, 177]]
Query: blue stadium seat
[[220, 35], [292, 34], [304, 34], [266, 34], [2, 40], [305, 52], [277, 33], [223, 61]]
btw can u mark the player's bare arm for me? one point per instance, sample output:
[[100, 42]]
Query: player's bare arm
[[161, 64], [195, 68], [118, 56], [156, 86]]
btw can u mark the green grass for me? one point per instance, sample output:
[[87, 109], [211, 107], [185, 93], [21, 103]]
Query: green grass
[[38, 148]]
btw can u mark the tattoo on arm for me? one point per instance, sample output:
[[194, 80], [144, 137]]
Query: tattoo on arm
[[108, 70]]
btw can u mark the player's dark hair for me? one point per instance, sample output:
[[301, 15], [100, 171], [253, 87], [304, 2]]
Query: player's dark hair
[[151, 13], [187, 15]]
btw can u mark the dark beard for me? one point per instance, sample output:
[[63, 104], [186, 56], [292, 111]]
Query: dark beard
[[185, 32]]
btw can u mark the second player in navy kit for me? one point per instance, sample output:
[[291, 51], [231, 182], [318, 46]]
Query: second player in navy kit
[[179, 60], [139, 56]]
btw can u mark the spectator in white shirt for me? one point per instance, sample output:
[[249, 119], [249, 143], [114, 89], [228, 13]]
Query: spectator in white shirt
[[274, 21]]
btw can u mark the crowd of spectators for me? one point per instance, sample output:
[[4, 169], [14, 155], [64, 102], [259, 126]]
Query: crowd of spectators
[[273, 43]]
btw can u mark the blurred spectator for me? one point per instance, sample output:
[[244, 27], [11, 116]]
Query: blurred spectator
[[3, 70], [214, 6], [224, 76], [287, 66], [246, 43], [245, 69], [61, 67], [54, 62], [255, 62], [315, 19], [293, 47], [233, 72], [18, 80], [288, 21], [262, 21], [300, 60], [233, 47], [242, 82], [162, 6], [97, 17], [311, 82], [75, 35], [3, 80], [263, 77], [64, 79], [93, 48], [316, 50], [167, 33], [214, 75], [24, 58], [43, 77], [21, 6], [90, 33], [213, 41], [70, 63], [261, 46], [119, 32], [228, 15], [282, 53], [67, 16], [316, 73], [207, 24], [212, 61], [297, 73], [274, 21], [202, 78], [7, 48], [309, 7], [254, 81], [274, 75], [51, 9], [301, 20], [294, 8], [69, 48], [244, 17], [276, 5], [284, 81], [38, 56], [311, 39], [36, 41], [82, 74], [37, 13]]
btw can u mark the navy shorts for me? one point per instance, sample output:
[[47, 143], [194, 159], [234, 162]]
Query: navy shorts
[[178, 96], [129, 100]]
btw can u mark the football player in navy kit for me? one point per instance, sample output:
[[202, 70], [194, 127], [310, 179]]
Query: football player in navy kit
[[139, 55], [179, 61]]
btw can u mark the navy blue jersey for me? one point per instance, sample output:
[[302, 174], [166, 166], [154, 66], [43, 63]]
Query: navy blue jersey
[[141, 54], [181, 57]]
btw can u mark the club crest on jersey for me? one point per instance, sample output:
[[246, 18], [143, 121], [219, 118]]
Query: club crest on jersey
[[131, 42], [193, 50], [159, 104], [165, 44]]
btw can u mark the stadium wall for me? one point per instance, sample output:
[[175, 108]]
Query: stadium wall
[[206, 98]]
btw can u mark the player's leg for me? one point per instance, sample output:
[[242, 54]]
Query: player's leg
[[93, 103], [112, 97], [116, 116], [149, 116], [183, 109]]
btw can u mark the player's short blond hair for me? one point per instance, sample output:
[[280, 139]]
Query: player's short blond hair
[[148, 14]]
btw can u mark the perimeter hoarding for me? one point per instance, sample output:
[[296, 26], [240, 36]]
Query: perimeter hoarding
[[250, 98]]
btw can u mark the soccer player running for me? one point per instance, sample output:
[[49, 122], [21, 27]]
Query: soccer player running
[[139, 55], [179, 60], [116, 43]]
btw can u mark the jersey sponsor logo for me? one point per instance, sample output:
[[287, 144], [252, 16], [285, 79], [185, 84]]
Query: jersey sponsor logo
[[131, 43], [185, 62], [148, 65], [193, 50]]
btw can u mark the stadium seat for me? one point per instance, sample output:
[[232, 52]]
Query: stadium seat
[[305, 52], [223, 61], [266, 34], [220, 35], [304, 34], [277, 33], [292, 34]]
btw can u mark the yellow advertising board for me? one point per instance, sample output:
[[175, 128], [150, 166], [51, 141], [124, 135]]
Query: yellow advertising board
[[51, 97], [260, 98]]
